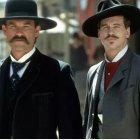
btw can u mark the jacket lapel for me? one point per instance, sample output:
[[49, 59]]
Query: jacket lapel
[[122, 69], [99, 78], [99, 73]]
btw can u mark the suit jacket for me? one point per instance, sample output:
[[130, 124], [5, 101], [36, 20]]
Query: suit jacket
[[120, 102], [47, 101]]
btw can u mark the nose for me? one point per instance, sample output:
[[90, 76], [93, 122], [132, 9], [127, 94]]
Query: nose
[[110, 31], [19, 32]]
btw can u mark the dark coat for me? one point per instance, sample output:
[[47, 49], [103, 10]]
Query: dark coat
[[47, 101], [120, 102]]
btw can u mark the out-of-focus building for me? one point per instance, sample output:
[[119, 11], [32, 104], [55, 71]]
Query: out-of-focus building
[[55, 42], [4, 49]]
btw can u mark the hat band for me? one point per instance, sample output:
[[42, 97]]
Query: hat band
[[20, 14]]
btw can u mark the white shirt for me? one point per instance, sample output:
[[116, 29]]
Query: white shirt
[[21, 60]]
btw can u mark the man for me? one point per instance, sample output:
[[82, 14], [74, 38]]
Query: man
[[113, 85], [78, 57], [37, 96]]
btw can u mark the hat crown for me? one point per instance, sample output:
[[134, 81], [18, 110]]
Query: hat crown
[[109, 8], [21, 8], [106, 4], [25, 9]]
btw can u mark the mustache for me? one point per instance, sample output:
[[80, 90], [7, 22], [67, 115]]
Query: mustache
[[19, 38], [112, 36]]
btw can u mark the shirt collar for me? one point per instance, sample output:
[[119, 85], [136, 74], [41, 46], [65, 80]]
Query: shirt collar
[[25, 57], [119, 55]]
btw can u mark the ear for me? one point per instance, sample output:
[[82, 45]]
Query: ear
[[38, 28], [128, 32], [4, 29]]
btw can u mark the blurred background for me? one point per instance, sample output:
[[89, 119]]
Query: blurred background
[[67, 41]]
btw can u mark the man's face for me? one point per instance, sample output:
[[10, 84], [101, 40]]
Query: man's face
[[21, 34], [113, 33]]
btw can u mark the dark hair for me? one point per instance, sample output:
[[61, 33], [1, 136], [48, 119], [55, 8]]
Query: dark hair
[[127, 22], [36, 23]]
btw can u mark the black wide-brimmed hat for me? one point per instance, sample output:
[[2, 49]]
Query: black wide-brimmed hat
[[25, 9], [108, 8]]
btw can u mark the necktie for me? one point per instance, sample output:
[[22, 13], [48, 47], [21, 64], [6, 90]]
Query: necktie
[[15, 77]]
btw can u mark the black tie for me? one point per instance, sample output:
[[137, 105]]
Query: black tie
[[15, 77]]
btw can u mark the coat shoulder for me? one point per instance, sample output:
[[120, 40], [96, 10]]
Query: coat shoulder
[[94, 68], [62, 64], [2, 61], [54, 63]]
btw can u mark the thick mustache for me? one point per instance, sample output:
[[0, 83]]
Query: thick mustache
[[19, 38], [112, 36]]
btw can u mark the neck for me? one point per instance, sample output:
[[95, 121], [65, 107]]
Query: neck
[[18, 54], [111, 55]]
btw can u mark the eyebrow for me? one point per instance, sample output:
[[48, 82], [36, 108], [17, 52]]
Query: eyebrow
[[25, 22], [112, 24]]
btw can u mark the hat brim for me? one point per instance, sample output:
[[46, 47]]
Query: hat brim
[[90, 26], [44, 23]]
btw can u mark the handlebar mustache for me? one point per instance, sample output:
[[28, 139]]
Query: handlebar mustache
[[111, 36], [19, 38]]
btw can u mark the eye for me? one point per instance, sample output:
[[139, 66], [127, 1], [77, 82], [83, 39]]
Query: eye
[[11, 26], [104, 27], [27, 26], [117, 27]]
